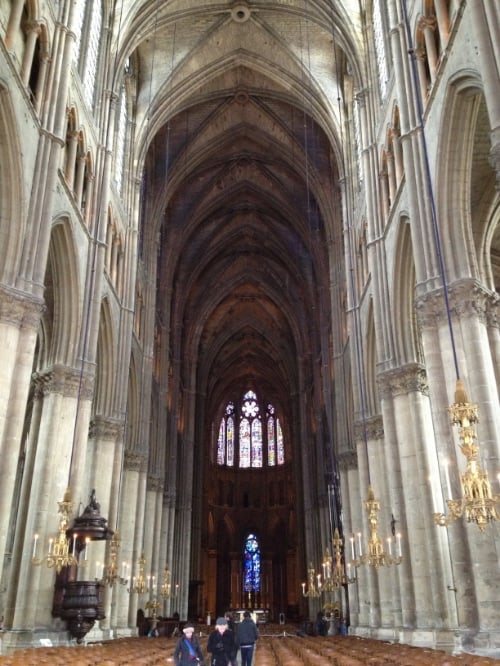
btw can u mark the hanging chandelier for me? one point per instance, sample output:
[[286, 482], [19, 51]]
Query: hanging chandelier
[[477, 504], [166, 586], [375, 554], [334, 575], [313, 589], [139, 584], [59, 555]]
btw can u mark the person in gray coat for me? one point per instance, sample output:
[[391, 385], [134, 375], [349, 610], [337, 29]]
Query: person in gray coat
[[247, 635]]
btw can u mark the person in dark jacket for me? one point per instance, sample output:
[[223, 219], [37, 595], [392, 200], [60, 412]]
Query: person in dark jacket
[[222, 644], [188, 649], [247, 634]]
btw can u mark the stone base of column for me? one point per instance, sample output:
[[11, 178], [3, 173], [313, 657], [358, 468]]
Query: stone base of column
[[25, 638]]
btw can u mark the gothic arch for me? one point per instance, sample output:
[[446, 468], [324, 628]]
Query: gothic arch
[[466, 212], [404, 281], [62, 295], [105, 371], [12, 223]]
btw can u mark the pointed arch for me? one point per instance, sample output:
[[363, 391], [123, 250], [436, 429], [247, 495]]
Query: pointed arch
[[467, 209], [104, 382], [62, 294], [12, 213], [407, 339]]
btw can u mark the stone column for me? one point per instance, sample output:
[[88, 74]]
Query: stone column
[[45, 480], [19, 319]]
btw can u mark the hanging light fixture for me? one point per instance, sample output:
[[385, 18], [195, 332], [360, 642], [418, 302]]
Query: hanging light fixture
[[334, 575], [375, 554], [139, 582], [166, 586], [313, 589], [478, 503], [59, 555]]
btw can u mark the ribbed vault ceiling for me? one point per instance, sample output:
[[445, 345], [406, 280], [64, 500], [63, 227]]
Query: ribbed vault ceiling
[[239, 106]]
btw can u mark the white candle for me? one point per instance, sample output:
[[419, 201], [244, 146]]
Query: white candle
[[389, 544], [86, 554], [349, 570], [303, 588], [324, 570], [51, 541], [352, 548], [398, 539], [34, 545], [359, 544], [74, 544], [319, 581]]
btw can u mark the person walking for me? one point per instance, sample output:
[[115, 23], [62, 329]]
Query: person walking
[[247, 635], [188, 649], [222, 644]]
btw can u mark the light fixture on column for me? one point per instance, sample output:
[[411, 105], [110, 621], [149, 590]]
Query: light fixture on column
[[334, 575], [477, 504], [61, 551], [111, 575], [139, 584], [313, 589], [375, 554], [166, 586]]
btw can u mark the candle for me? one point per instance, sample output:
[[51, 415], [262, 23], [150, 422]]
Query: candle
[[74, 544], [319, 580], [389, 544], [324, 570], [51, 541], [359, 544], [303, 588], [352, 548], [86, 548], [348, 570], [34, 545], [398, 539]]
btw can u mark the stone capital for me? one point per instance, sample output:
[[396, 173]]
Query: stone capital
[[411, 378], [347, 461], [134, 462], [466, 298], [19, 309], [102, 427], [155, 483], [374, 429], [68, 381]]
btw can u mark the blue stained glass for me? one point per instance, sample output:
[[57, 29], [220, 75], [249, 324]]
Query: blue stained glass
[[251, 559]]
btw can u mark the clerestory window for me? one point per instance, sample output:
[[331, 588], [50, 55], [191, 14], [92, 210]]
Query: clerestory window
[[250, 435]]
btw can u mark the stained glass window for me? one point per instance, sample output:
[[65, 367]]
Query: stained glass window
[[281, 445], [251, 564], [246, 439]]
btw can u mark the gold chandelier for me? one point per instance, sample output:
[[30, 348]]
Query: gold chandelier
[[375, 555], [313, 589], [334, 575], [166, 586], [139, 585], [478, 504], [59, 555]]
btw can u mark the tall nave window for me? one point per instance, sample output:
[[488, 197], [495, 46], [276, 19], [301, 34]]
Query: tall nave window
[[250, 435], [88, 25]]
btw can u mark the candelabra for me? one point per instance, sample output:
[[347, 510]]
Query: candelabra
[[153, 605], [166, 587], [314, 583], [59, 555], [376, 556], [334, 575], [477, 504], [110, 570], [139, 585]]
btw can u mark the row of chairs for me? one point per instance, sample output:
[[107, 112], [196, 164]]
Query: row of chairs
[[273, 649]]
